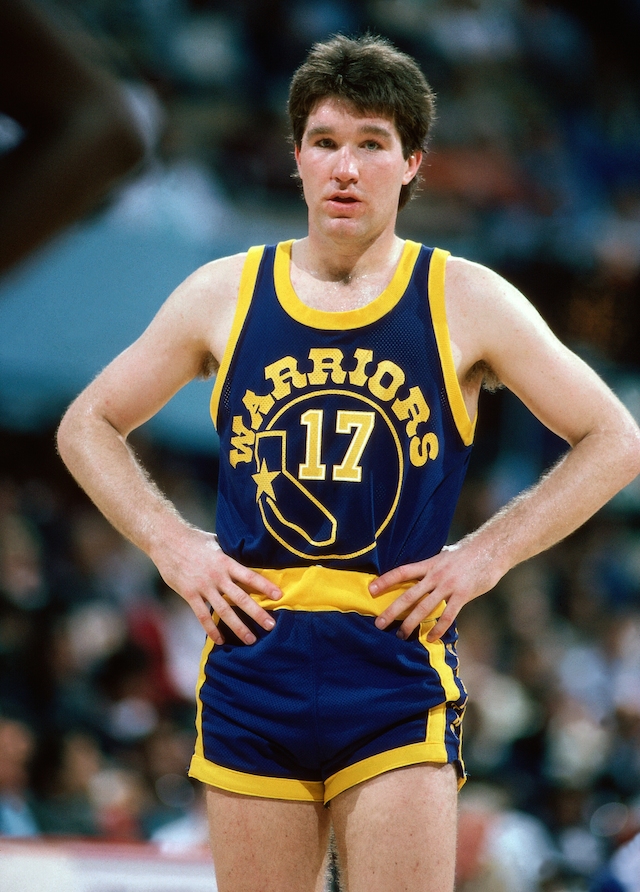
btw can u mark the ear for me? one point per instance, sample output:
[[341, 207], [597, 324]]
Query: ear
[[413, 166], [296, 155]]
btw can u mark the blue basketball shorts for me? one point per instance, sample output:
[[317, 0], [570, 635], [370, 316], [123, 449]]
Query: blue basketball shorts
[[325, 700]]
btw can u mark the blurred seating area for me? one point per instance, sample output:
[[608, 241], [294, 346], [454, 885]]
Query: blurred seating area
[[98, 664], [533, 168]]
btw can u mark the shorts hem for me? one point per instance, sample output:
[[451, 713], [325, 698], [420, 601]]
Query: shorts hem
[[402, 757], [291, 789], [262, 786]]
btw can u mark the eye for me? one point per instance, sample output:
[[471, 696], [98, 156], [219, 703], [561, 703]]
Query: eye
[[372, 145], [324, 143]]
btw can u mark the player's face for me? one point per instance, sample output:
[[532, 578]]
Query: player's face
[[352, 169]]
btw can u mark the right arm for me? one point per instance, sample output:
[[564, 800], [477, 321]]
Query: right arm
[[190, 328]]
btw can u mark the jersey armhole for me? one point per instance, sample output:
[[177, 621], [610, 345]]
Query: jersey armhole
[[465, 425], [245, 295]]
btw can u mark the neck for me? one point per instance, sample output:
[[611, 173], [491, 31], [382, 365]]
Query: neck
[[345, 281], [346, 263]]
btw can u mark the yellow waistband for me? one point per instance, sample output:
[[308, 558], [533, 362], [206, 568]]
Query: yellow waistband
[[321, 588]]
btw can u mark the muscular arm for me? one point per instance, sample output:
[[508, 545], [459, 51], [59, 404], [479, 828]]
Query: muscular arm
[[490, 321], [92, 441]]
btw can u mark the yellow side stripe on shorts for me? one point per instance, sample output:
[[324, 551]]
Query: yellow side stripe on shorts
[[437, 652], [319, 588], [436, 722], [206, 650]]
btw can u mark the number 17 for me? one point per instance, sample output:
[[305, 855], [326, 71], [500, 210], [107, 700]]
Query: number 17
[[359, 423]]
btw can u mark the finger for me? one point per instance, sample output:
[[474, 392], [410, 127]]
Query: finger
[[255, 582], [423, 610], [393, 578], [223, 603], [231, 619], [206, 621], [401, 604], [444, 623], [213, 631], [246, 603]]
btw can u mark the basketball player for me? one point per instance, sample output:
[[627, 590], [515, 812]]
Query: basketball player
[[349, 365]]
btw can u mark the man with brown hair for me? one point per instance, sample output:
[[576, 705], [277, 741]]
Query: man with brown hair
[[349, 365]]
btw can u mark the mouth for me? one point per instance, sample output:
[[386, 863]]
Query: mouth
[[343, 202]]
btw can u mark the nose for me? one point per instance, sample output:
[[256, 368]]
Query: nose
[[345, 168]]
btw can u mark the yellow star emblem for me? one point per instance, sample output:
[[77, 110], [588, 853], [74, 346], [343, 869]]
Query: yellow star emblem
[[264, 479]]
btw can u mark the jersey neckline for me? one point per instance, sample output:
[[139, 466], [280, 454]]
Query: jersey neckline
[[341, 319]]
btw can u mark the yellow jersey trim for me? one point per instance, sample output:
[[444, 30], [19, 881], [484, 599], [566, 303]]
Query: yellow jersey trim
[[255, 784], [341, 320], [245, 295], [316, 589], [466, 426]]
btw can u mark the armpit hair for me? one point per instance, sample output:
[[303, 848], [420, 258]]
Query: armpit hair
[[209, 367], [490, 380]]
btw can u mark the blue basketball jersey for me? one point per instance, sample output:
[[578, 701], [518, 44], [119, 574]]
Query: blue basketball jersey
[[344, 437]]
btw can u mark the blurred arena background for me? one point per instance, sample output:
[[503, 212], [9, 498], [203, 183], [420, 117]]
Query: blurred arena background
[[534, 169]]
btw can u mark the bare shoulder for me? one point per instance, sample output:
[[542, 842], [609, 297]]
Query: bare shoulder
[[219, 274], [204, 303], [478, 292], [487, 316]]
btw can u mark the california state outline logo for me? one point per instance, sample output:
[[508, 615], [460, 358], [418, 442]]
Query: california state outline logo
[[324, 449]]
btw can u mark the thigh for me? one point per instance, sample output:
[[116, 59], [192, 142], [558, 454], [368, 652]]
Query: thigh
[[271, 845], [398, 831]]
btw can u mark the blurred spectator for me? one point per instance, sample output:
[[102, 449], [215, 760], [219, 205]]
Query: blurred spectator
[[623, 873], [64, 771], [501, 849], [16, 749]]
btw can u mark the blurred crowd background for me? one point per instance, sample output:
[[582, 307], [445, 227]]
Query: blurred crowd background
[[534, 169]]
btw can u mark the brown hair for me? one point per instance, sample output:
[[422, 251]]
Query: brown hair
[[374, 77]]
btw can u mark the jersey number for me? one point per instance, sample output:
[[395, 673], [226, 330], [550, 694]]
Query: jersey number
[[360, 424]]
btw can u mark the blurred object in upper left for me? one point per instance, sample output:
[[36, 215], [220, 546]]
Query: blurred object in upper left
[[69, 130]]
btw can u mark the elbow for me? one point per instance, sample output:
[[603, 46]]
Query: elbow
[[83, 431], [73, 434], [65, 437], [636, 458], [629, 449]]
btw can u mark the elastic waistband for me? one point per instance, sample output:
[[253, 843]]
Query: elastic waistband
[[319, 588]]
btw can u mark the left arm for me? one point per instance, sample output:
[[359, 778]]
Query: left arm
[[570, 399]]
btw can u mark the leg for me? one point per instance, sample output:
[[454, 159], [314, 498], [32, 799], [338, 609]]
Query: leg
[[398, 831], [267, 845]]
